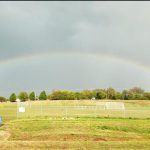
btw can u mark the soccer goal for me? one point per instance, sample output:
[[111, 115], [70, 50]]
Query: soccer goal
[[115, 106]]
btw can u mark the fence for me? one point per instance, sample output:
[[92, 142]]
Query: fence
[[40, 109]]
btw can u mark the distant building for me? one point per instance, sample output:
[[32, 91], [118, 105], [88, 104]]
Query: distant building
[[17, 100], [93, 98]]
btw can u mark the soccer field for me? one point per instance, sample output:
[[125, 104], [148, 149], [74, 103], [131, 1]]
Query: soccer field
[[74, 108], [75, 125]]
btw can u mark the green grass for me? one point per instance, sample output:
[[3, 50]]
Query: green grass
[[68, 108], [76, 133], [81, 129]]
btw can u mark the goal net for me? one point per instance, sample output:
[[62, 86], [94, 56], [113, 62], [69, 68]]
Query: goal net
[[115, 105]]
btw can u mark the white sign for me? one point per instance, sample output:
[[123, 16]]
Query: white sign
[[115, 105], [21, 109]]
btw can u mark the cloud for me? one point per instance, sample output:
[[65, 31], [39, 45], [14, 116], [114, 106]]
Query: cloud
[[112, 28], [71, 72], [117, 28]]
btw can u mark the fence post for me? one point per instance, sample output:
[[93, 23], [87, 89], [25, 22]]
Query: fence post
[[17, 109], [124, 113], [66, 112], [41, 110], [95, 111]]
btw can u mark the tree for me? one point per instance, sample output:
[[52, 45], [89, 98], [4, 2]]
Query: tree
[[55, 95], [43, 96], [23, 96], [137, 90], [69, 95], [100, 93], [86, 94], [125, 95], [111, 93], [2, 99], [62, 95], [147, 95], [77, 95], [118, 95], [137, 93], [32, 96], [13, 97]]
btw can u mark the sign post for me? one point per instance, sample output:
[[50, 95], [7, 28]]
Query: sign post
[[20, 107]]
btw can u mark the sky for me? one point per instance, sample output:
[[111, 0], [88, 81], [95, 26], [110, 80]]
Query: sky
[[74, 45]]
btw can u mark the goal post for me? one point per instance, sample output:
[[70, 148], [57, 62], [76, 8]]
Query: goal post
[[115, 106]]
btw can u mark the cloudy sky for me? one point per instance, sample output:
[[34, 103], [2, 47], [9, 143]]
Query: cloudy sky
[[74, 45]]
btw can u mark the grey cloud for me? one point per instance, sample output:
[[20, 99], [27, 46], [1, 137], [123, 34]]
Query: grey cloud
[[114, 28], [70, 71]]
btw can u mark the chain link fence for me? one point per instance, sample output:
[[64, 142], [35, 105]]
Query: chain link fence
[[22, 110]]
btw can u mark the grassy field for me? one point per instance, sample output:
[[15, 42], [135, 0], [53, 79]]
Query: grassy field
[[77, 133], [45, 126], [77, 108]]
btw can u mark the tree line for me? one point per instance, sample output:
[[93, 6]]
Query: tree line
[[135, 93]]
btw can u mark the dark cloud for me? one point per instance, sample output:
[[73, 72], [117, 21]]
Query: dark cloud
[[70, 71], [114, 28], [117, 28]]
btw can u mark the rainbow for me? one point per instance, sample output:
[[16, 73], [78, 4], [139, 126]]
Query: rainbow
[[17, 59]]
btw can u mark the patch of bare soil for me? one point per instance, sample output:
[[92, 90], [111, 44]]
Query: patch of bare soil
[[4, 135], [65, 137]]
